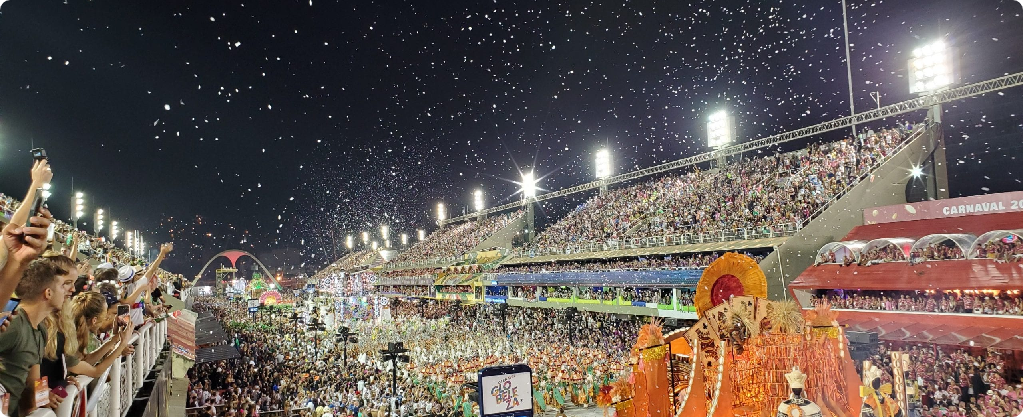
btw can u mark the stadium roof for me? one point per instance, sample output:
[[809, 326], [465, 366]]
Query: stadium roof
[[975, 225], [964, 274]]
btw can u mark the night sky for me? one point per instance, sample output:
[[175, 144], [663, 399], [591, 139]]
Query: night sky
[[281, 126]]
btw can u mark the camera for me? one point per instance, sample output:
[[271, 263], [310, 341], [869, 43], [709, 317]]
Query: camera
[[39, 154]]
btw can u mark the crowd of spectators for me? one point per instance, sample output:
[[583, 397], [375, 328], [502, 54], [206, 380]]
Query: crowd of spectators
[[994, 302], [1006, 250], [938, 251], [456, 240], [406, 290], [347, 263], [756, 194], [958, 383], [665, 262], [65, 323], [281, 369], [882, 254]]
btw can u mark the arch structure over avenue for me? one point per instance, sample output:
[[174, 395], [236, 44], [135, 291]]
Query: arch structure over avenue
[[233, 255]]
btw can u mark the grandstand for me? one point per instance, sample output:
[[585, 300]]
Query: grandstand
[[448, 244], [910, 268]]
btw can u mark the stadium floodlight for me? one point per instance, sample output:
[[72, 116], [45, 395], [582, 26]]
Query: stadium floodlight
[[603, 164], [720, 131], [387, 243], [349, 242], [930, 68], [46, 190], [99, 220], [916, 171], [365, 238], [113, 230], [442, 213], [528, 185], [375, 245], [404, 239], [384, 231], [421, 233], [477, 200], [127, 240]]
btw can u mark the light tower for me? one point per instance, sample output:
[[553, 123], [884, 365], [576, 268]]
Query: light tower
[[78, 204], [442, 214], [98, 222], [720, 133], [421, 234], [932, 69], [349, 242], [404, 239], [602, 166], [477, 203], [529, 198], [114, 230]]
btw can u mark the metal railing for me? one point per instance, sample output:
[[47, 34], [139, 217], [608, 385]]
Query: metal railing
[[114, 398]]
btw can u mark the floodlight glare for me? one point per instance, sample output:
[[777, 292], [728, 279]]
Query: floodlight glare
[[349, 242], [374, 245], [384, 231], [365, 238], [603, 164], [720, 131], [79, 195], [477, 200], [528, 185], [916, 172], [931, 68], [441, 212], [404, 239], [422, 234]]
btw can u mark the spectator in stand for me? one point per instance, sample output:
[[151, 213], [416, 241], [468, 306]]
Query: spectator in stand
[[1008, 303], [756, 195], [677, 261], [43, 290], [456, 240]]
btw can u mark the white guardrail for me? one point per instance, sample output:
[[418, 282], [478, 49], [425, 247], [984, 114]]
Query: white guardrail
[[111, 397]]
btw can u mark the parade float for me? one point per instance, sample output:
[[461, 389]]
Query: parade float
[[747, 356]]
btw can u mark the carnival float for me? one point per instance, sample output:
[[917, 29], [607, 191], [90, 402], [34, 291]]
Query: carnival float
[[747, 356]]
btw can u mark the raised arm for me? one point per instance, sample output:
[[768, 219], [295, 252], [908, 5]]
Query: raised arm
[[22, 245], [41, 175], [85, 368]]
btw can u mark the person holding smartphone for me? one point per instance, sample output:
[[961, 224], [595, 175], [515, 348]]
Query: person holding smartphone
[[43, 289], [23, 244]]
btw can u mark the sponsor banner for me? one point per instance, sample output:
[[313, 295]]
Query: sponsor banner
[[952, 207]]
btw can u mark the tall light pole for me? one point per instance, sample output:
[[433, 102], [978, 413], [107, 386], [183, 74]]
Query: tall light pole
[[78, 204], [365, 238], [720, 133], [442, 213], [98, 222], [421, 234], [529, 197], [349, 242], [114, 230], [848, 67], [932, 69], [404, 239], [602, 166]]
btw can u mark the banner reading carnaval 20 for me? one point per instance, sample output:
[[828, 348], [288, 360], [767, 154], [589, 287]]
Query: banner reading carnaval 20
[[952, 207]]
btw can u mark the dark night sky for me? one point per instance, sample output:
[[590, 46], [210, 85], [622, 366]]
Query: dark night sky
[[279, 126]]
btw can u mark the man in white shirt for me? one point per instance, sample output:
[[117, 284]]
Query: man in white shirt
[[134, 287]]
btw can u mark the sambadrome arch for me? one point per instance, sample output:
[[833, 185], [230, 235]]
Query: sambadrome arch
[[233, 255]]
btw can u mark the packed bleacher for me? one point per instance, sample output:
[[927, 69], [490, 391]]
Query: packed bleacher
[[972, 302], [1006, 250], [347, 262], [66, 323], [753, 194], [958, 382], [455, 240], [656, 262]]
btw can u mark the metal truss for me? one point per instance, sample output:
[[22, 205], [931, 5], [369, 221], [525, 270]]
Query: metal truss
[[919, 103]]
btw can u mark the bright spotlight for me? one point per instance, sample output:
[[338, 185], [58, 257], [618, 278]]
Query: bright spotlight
[[720, 130], [477, 200], [931, 68], [442, 213], [404, 239], [79, 195], [528, 185], [349, 242], [365, 238], [375, 245], [916, 172], [421, 234], [603, 164], [384, 231]]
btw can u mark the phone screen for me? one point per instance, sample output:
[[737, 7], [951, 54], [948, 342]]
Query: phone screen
[[122, 310], [11, 305]]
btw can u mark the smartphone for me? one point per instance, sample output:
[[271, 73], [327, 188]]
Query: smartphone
[[122, 310], [11, 305], [37, 204], [39, 154]]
